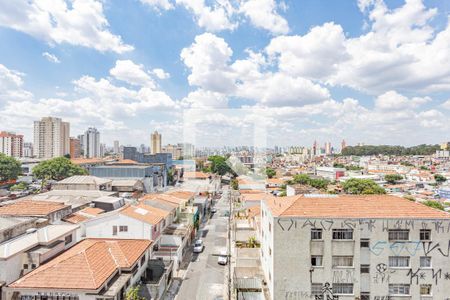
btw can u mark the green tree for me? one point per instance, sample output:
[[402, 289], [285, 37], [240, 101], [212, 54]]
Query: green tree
[[10, 168], [133, 294], [338, 165], [19, 187], [362, 186], [270, 172], [301, 179], [320, 184], [234, 184], [434, 204], [219, 165], [439, 178], [393, 178], [57, 169]]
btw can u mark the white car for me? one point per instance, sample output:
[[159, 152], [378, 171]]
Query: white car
[[222, 259], [198, 246]]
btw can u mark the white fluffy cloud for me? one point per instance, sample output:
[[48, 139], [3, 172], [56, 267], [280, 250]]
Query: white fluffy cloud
[[160, 73], [205, 99], [392, 100], [209, 59], [80, 23], [132, 73], [263, 14], [51, 57], [218, 15], [11, 85], [159, 4], [213, 18]]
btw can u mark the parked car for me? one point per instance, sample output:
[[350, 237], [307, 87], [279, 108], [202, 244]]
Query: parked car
[[222, 259], [198, 246]]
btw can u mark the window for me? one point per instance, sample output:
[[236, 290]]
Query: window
[[365, 269], [365, 296], [399, 235], [114, 228], [270, 227], [154, 228], [25, 266], [398, 289], [316, 234], [343, 288], [316, 260], [123, 228], [342, 261], [33, 266], [68, 239], [270, 251], [425, 234], [425, 262], [364, 243], [342, 234], [316, 289], [143, 260], [425, 289], [398, 261]]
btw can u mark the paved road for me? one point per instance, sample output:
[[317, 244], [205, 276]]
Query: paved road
[[205, 278]]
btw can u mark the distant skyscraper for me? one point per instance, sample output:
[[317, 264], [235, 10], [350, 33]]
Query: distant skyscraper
[[314, 149], [75, 148], [91, 143], [116, 147], [343, 145], [11, 144], [28, 149], [327, 148], [102, 150], [156, 142], [51, 138]]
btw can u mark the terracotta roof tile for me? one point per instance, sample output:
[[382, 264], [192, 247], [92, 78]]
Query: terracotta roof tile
[[92, 211], [352, 206], [31, 208], [145, 213], [87, 265], [75, 218], [200, 175]]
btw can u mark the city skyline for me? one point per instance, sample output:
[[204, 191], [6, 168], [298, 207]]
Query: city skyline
[[370, 71]]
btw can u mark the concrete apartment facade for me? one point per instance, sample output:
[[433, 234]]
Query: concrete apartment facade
[[11, 144], [155, 142], [51, 138], [354, 247]]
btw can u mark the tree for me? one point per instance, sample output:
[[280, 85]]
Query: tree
[[393, 178], [439, 178], [302, 179], [219, 165], [19, 187], [338, 165], [133, 294], [57, 169], [234, 184], [362, 186], [320, 184], [270, 172], [10, 168], [434, 204]]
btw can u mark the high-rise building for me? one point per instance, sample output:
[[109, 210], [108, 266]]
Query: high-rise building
[[343, 145], [11, 144], [327, 148], [91, 143], [51, 138], [175, 150], [28, 149], [116, 147], [156, 142], [103, 150], [75, 148]]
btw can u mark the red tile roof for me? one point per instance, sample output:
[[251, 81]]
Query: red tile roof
[[351, 206], [87, 265], [31, 208]]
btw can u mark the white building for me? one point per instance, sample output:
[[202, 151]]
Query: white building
[[91, 143], [354, 247], [28, 150], [11, 144], [51, 138], [116, 147], [330, 172]]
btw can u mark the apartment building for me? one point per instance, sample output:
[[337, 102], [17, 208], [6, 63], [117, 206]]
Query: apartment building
[[51, 138], [155, 142], [11, 144], [90, 143], [75, 148], [354, 247]]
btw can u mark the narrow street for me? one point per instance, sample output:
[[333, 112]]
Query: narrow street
[[205, 279]]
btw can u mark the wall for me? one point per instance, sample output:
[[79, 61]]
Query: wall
[[293, 248], [102, 227]]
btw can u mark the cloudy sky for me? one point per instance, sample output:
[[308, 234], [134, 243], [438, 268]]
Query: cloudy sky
[[368, 71]]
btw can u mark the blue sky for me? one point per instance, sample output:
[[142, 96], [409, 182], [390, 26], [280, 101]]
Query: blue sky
[[368, 71]]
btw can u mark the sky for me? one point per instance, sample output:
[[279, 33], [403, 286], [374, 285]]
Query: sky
[[370, 71]]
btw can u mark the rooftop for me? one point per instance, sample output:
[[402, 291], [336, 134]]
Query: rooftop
[[145, 213], [80, 179], [31, 208], [87, 265], [351, 206]]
